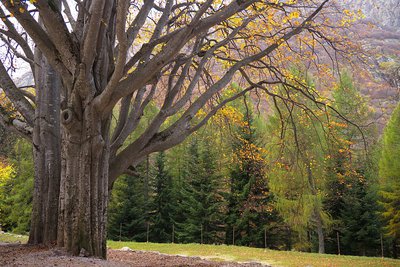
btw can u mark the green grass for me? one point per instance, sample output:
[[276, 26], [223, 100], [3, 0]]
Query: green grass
[[242, 254], [13, 238], [245, 254]]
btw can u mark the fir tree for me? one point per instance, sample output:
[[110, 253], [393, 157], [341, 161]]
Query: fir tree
[[128, 215], [250, 203], [163, 203], [200, 201], [360, 222]]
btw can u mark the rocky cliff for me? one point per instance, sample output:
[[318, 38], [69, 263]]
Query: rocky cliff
[[382, 44], [384, 13]]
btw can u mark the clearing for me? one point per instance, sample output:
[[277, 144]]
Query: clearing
[[152, 254]]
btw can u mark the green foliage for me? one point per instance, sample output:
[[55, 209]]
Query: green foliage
[[16, 191], [360, 222], [251, 207], [127, 209], [389, 172], [6, 175], [163, 202], [200, 203], [351, 170], [298, 147]]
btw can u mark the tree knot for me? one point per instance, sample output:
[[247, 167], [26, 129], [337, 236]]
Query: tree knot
[[67, 116]]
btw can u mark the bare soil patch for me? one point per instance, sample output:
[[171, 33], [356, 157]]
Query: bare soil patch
[[27, 255]]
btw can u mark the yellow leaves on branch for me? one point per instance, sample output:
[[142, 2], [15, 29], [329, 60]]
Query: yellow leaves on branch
[[350, 17], [7, 172], [229, 114], [338, 124], [292, 16]]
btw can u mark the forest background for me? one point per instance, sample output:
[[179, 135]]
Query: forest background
[[252, 177]]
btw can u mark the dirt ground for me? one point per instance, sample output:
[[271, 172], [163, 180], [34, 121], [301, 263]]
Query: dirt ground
[[26, 255]]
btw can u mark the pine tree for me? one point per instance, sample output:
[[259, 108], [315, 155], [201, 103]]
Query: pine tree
[[200, 201], [359, 218], [251, 209], [128, 215], [163, 203]]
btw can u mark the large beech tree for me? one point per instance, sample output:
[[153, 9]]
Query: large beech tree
[[98, 63]]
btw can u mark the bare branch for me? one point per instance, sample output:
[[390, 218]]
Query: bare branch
[[41, 39], [14, 94]]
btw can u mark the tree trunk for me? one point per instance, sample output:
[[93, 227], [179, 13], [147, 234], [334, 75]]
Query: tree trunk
[[320, 232], [46, 153], [317, 212], [84, 183]]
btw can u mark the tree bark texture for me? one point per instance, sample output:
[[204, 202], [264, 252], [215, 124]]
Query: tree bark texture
[[84, 184], [46, 152]]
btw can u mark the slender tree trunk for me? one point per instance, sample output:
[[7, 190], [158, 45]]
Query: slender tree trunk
[[46, 152], [84, 183], [317, 212], [320, 233]]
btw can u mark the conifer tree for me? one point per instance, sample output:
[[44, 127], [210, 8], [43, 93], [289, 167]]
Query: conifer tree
[[250, 203], [298, 147], [351, 200], [200, 197], [359, 218], [163, 202], [389, 171], [127, 211]]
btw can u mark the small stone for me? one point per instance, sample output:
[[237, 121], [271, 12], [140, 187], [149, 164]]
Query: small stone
[[126, 249]]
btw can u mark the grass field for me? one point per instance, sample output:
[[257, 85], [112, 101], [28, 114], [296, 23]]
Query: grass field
[[11, 238], [243, 254]]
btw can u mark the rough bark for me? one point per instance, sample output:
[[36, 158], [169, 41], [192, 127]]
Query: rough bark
[[84, 184], [46, 152]]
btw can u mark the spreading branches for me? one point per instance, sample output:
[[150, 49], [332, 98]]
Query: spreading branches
[[13, 34], [177, 54], [42, 39], [151, 140]]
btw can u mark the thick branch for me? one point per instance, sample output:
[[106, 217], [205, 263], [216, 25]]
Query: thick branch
[[15, 95], [122, 160], [142, 76], [41, 39]]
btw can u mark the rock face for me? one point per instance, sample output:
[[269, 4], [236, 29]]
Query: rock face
[[385, 13], [382, 43]]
